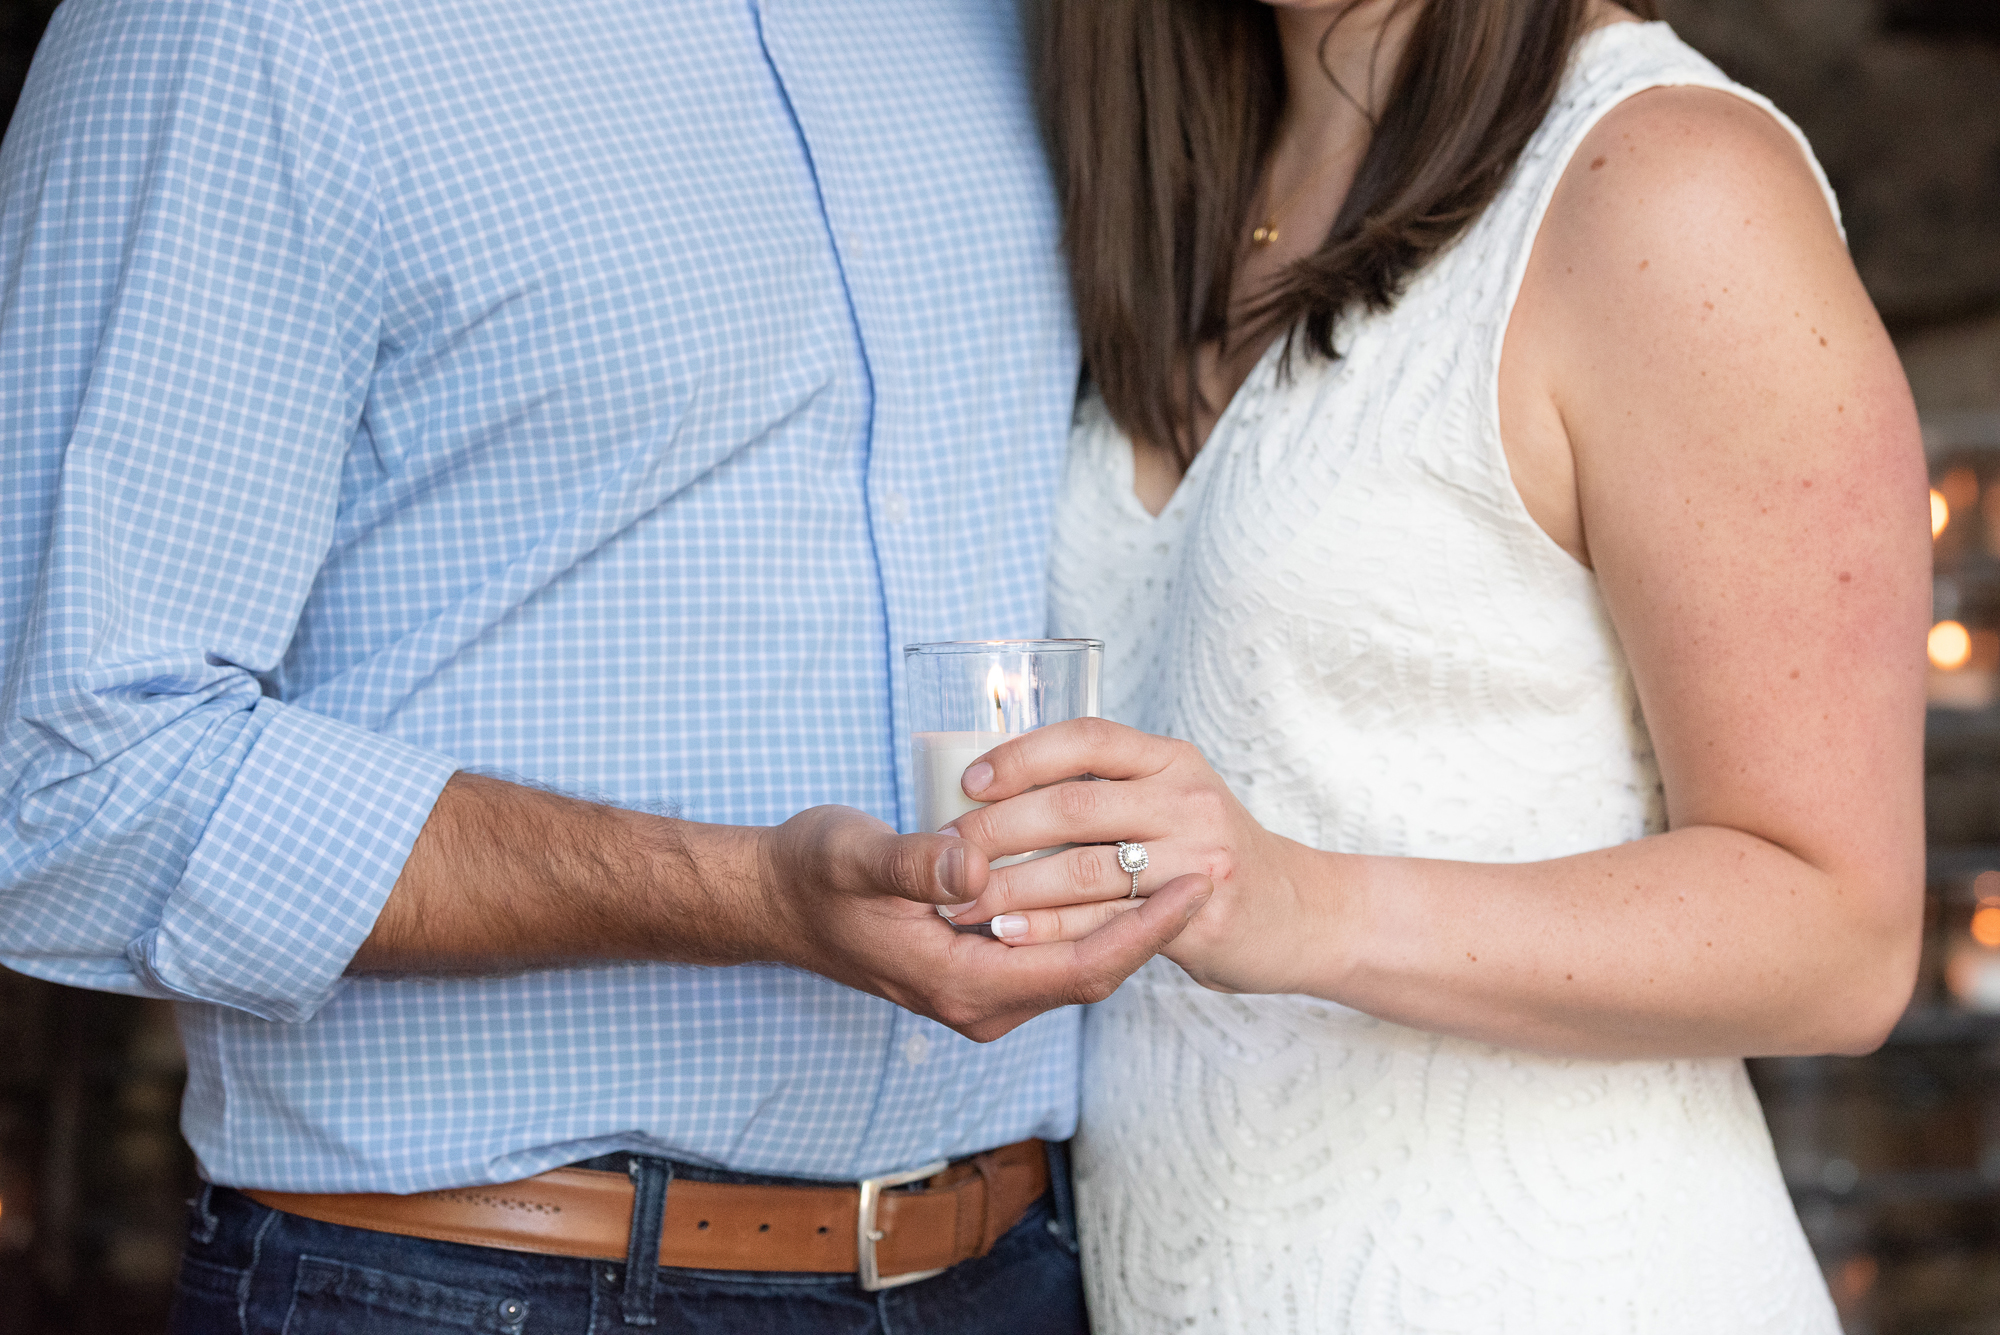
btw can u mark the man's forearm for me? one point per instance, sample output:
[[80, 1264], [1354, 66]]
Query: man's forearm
[[507, 877]]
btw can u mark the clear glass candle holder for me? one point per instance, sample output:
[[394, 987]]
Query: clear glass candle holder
[[968, 696]]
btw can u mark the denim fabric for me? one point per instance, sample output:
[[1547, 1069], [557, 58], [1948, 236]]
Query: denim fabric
[[253, 1271]]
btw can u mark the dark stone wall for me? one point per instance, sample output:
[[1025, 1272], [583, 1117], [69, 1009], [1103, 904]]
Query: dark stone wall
[[1901, 99], [1900, 102]]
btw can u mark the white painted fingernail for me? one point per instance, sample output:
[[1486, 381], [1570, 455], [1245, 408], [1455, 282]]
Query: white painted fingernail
[[1010, 925]]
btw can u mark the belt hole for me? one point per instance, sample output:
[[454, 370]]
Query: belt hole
[[763, 1228], [822, 1228], [702, 1224]]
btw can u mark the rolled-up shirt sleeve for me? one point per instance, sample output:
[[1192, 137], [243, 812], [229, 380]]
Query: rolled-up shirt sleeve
[[190, 277]]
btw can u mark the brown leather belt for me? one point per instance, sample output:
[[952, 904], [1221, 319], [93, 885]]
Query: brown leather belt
[[958, 1212]]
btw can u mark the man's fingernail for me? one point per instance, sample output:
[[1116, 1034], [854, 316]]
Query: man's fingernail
[[1010, 925], [950, 910], [951, 869], [977, 778], [949, 832]]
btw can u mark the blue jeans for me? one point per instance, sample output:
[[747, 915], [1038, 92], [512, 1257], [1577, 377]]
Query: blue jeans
[[253, 1271]]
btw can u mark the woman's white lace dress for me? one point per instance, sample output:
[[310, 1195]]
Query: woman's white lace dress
[[1347, 607]]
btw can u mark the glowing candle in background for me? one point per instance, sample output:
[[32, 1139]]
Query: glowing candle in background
[[1950, 646], [1960, 489], [1972, 960], [1963, 654]]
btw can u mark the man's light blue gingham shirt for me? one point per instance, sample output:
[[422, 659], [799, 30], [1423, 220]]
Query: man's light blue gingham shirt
[[596, 392]]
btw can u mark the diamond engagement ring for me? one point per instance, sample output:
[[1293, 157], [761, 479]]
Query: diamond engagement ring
[[1133, 857]]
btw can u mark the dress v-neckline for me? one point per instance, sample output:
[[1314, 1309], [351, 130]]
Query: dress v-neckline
[[1128, 457], [1616, 30]]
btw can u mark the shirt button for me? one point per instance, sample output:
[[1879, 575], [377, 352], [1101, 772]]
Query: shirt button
[[894, 508], [915, 1049]]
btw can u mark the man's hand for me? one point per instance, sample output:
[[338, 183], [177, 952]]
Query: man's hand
[[506, 878], [859, 901]]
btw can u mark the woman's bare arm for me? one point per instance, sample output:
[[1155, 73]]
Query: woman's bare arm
[[1749, 486]]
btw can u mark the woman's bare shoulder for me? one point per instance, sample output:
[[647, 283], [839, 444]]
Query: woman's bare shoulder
[[1696, 328], [1688, 236], [1690, 247], [1692, 180]]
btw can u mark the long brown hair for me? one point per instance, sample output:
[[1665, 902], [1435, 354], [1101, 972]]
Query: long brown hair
[[1159, 114]]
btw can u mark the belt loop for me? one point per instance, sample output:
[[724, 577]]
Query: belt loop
[[202, 1222], [642, 1253], [989, 1209], [1061, 1194]]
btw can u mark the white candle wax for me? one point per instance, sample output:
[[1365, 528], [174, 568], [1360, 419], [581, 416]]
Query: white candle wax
[[938, 761]]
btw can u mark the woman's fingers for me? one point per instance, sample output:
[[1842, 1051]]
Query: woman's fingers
[[1079, 812], [1073, 876], [1072, 922], [1063, 750]]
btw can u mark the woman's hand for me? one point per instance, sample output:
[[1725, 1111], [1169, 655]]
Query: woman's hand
[[1254, 935]]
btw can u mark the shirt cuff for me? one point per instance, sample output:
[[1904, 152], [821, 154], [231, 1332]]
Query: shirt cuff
[[294, 866]]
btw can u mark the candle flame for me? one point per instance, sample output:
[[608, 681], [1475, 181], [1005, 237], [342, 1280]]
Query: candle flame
[[1940, 512], [996, 686]]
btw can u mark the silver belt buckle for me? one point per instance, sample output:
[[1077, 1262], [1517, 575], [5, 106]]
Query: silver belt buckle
[[867, 1235]]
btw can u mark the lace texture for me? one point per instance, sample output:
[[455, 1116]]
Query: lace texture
[[1348, 609]]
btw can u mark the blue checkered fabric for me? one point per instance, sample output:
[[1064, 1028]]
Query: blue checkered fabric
[[598, 393]]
